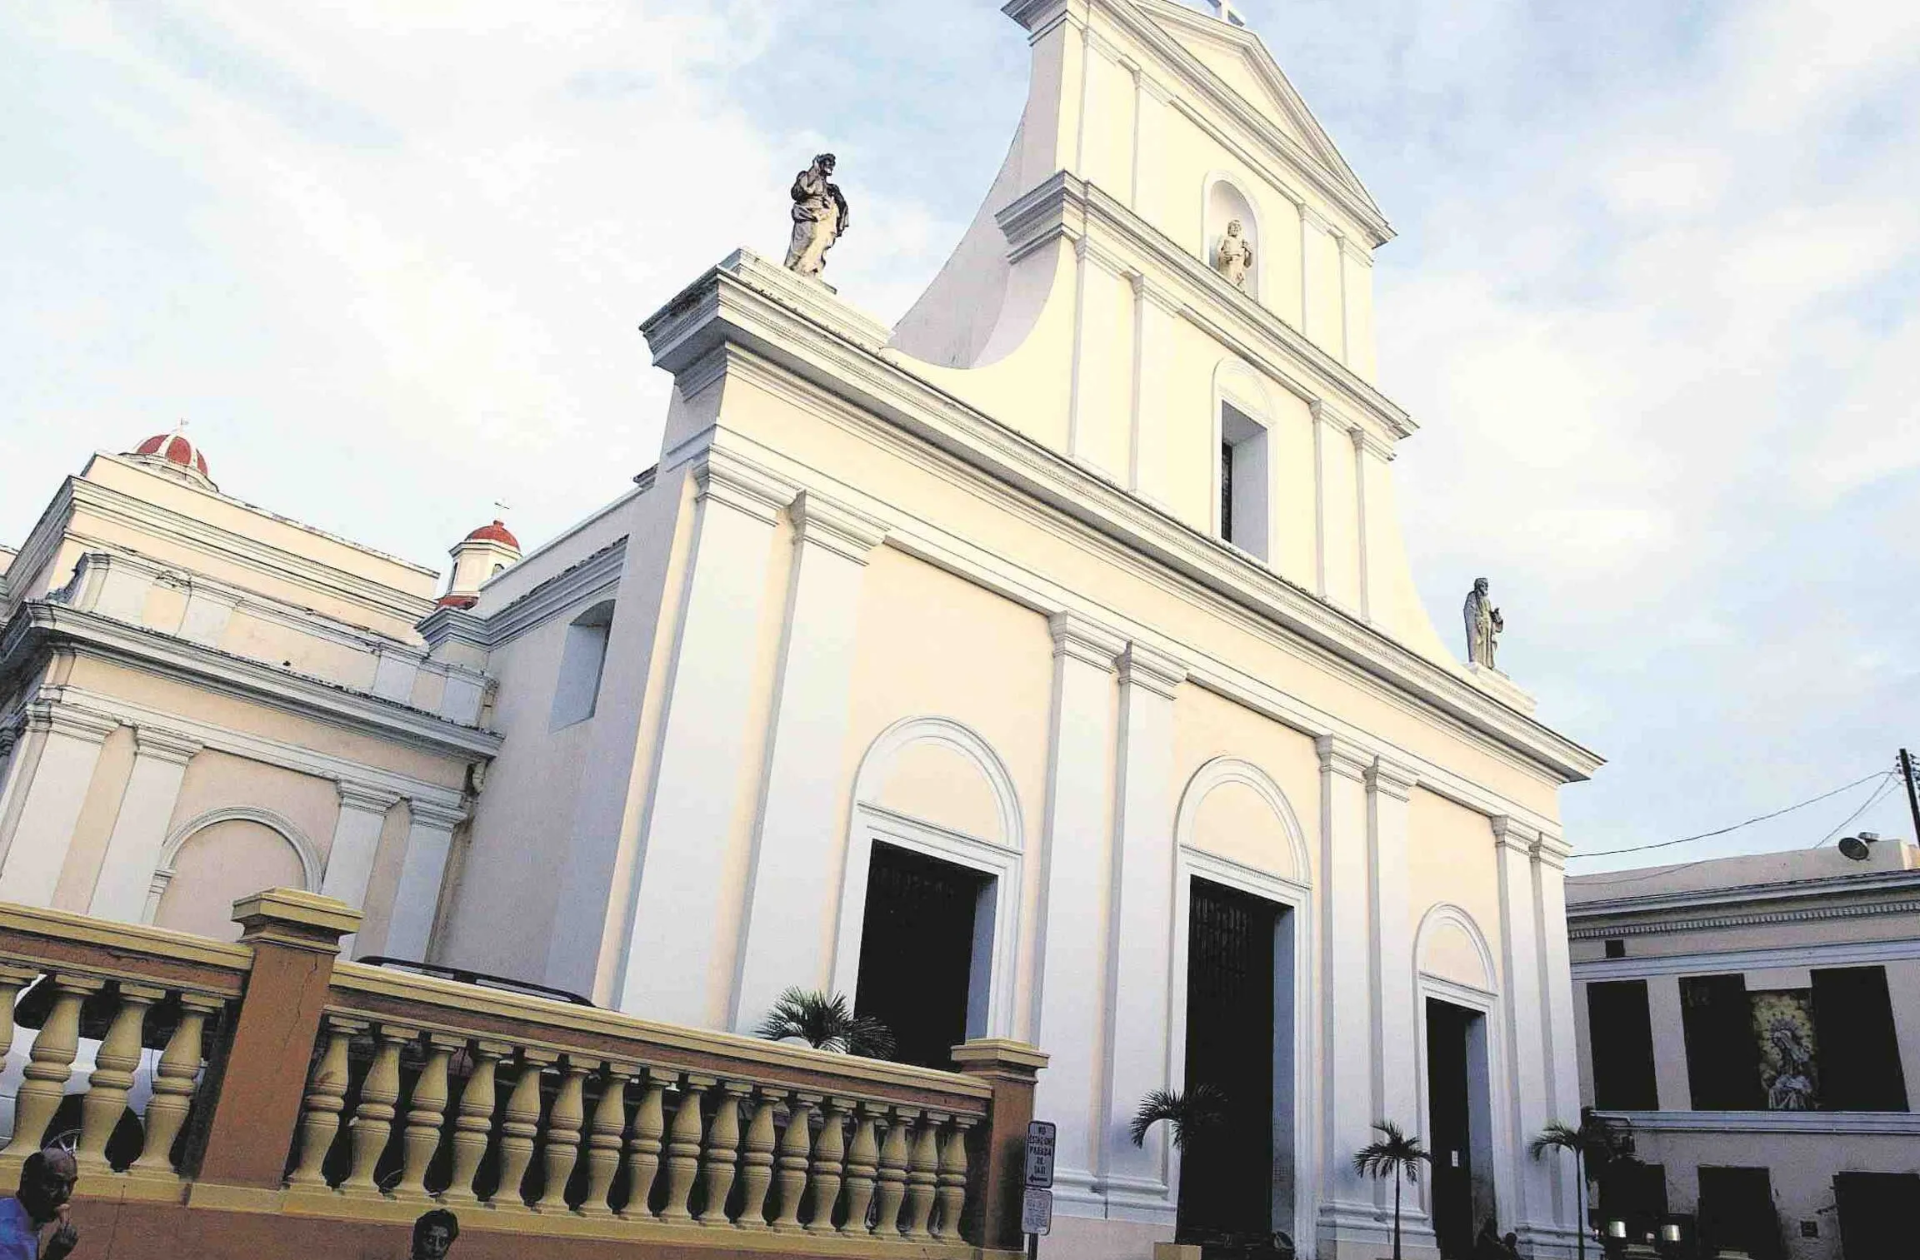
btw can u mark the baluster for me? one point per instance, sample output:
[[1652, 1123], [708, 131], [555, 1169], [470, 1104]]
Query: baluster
[[643, 1148], [112, 1076], [893, 1173], [471, 1129], [372, 1123], [756, 1173], [603, 1143], [863, 1164], [12, 980], [326, 1097], [519, 1125], [924, 1176], [953, 1180], [829, 1155], [683, 1149], [173, 1085], [426, 1116], [50, 1063], [795, 1144], [723, 1151], [563, 1136]]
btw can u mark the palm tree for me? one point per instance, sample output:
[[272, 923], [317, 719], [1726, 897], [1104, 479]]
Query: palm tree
[[1596, 1145], [826, 1022], [1190, 1114], [1397, 1154]]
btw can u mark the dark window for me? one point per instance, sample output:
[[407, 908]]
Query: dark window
[[1616, 949], [1621, 1035], [1737, 1212], [1859, 1055], [1723, 1069], [1226, 1181], [1636, 1194], [1876, 1214], [1226, 491], [916, 952]]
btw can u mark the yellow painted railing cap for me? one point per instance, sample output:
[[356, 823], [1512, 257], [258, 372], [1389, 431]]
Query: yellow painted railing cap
[[308, 914], [987, 1051]]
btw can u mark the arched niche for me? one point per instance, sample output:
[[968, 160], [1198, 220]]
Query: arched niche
[[1224, 203], [1449, 946], [934, 789], [215, 859], [1233, 809]]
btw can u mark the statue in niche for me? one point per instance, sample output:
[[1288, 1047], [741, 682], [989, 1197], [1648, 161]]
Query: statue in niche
[[1234, 256], [1484, 625], [819, 217]]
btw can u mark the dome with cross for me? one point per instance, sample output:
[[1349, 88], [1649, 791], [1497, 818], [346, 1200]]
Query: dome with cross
[[176, 455]]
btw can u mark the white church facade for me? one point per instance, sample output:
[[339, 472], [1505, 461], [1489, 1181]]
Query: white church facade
[[1045, 667]]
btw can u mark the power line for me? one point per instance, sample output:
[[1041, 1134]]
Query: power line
[[1879, 795], [1708, 835]]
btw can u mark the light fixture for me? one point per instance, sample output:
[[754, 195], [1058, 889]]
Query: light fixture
[[1857, 848], [1670, 1232], [1617, 1229]]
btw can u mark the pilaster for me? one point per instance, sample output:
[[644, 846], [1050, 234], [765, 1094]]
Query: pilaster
[[1073, 882], [694, 788], [416, 899], [1396, 1021], [790, 897], [55, 768], [356, 839], [1556, 983], [1139, 925], [1348, 1216], [140, 829], [1522, 1000]]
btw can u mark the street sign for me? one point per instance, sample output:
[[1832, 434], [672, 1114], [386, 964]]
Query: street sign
[[1036, 1212], [1040, 1144]]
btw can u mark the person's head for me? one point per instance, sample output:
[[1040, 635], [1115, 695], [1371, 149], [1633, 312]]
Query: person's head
[[1480, 585], [1512, 1240], [1233, 227], [46, 1182], [825, 162], [433, 1234]]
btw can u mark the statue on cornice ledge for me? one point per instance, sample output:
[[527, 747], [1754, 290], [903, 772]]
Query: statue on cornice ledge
[[819, 218], [1484, 624]]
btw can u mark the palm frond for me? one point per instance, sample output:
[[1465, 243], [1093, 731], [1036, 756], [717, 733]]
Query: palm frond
[[1557, 1136], [1198, 1110], [826, 1022], [1394, 1154]]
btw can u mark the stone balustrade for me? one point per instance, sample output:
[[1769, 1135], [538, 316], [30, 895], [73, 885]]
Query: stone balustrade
[[291, 1084]]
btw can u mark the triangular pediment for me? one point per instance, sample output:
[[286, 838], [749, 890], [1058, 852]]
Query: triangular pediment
[[1237, 60]]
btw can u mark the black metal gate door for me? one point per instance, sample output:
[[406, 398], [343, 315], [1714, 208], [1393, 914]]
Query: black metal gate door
[[1226, 1172], [916, 952]]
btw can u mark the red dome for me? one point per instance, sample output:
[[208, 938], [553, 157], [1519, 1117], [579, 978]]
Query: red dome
[[496, 532], [175, 448], [457, 601]]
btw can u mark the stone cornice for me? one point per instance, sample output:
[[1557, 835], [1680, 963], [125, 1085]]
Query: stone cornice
[[1077, 638], [163, 745], [1064, 206], [1511, 833], [40, 626], [720, 478], [72, 723], [1756, 918], [1344, 757], [365, 797], [822, 522], [1150, 670], [1809, 1123], [1389, 778], [599, 573], [426, 813], [1865, 884], [887, 400]]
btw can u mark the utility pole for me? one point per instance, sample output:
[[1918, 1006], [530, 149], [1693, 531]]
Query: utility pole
[[1913, 797]]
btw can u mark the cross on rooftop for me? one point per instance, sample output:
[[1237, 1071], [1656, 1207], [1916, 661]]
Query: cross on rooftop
[[1224, 10]]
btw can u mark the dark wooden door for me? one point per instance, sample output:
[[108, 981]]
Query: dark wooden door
[[1876, 1214], [1737, 1212], [1450, 1127], [916, 952], [1226, 1172]]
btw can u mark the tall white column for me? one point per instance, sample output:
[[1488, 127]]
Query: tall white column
[[694, 788], [790, 899], [1520, 945], [417, 896], [356, 840], [1139, 928], [1667, 1026], [54, 768], [140, 829], [1073, 884], [1562, 1039], [1396, 1022], [1349, 1222]]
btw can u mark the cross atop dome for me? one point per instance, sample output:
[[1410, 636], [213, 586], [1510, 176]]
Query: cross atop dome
[[1224, 10]]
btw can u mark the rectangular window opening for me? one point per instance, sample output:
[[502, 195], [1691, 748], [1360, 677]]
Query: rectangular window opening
[[1244, 481], [1621, 1035]]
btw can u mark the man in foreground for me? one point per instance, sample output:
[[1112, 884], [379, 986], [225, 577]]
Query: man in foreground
[[46, 1183]]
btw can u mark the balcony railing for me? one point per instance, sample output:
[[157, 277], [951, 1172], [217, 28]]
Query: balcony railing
[[288, 1082]]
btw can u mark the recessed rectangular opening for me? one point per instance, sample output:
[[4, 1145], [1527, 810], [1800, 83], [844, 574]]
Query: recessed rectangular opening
[[1244, 516], [1460, 1124], [1622, 1040], [925, 952]]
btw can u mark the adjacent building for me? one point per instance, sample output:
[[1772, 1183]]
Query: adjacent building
[[1046, 667], [1756, 1021]]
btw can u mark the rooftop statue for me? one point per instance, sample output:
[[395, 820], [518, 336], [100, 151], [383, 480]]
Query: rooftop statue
[[819, 217], [1234, 256], [1484, 625]]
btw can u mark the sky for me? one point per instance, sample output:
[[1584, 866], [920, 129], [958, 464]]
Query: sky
[[1655, 301]]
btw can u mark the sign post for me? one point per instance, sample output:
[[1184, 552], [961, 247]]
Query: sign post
[[1036, 1206]]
